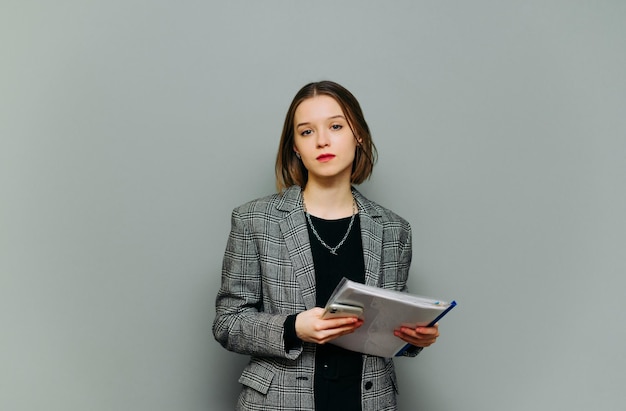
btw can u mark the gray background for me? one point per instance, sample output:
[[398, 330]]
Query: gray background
[[130, 129]]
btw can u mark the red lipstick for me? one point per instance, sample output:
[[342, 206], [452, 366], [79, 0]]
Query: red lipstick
[[325, 157]]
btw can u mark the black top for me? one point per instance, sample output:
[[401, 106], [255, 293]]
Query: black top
[[337, 370], [337, 384], [329, 268]]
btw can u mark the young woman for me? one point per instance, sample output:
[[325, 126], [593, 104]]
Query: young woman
[[287, 252]]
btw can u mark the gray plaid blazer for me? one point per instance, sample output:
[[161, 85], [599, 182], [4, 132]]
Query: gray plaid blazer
[[268, 273]]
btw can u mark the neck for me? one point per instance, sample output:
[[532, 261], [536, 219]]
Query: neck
[[328, 202]]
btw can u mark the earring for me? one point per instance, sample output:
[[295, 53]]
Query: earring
[[298, 155]]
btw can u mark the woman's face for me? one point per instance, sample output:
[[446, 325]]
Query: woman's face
[[324, 140]]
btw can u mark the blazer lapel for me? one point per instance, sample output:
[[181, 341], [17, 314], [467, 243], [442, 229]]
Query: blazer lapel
[[294, 230], [371, 237]]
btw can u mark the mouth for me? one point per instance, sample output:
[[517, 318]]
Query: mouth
[[325, 157]]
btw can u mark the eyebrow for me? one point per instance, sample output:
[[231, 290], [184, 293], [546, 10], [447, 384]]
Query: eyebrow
[[329, 118]]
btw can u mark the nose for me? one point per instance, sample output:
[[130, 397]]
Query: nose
[[323, 139]]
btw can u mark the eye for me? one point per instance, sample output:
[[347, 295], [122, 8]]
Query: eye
[[306, 132], [336, 127]]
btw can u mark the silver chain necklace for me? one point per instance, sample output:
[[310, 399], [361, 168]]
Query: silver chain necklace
[[333, 250]]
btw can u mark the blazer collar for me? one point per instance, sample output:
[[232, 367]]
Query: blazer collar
[[294, 229], [371, 237], [291, 199]]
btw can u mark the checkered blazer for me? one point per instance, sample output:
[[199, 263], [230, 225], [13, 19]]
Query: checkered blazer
[[268, 273]]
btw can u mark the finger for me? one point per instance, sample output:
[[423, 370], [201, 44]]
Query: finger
[[332, 324], [410, 332], [340, 322], [417, 343], [409, 335], [427, 330], [331, 334]]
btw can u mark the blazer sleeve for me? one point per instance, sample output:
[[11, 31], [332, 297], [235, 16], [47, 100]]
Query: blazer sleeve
[[240, 323]]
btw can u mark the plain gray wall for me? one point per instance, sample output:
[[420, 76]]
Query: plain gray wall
[[130, 129]]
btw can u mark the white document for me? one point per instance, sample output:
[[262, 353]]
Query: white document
[[383, 312]]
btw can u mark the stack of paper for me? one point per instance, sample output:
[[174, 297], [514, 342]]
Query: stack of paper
[[383, 312]]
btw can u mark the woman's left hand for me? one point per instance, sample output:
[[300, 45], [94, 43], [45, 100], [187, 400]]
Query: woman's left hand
[[419, 336]]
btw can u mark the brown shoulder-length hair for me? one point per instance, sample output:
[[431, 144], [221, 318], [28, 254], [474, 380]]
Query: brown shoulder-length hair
[[290, 170]]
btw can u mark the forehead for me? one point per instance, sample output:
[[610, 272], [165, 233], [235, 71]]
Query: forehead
[[317, 108]]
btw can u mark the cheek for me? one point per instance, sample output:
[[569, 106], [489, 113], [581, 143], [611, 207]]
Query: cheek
[[299, 147], [352, 145]]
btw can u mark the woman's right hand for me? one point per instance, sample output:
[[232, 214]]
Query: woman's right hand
[[310, 326]]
